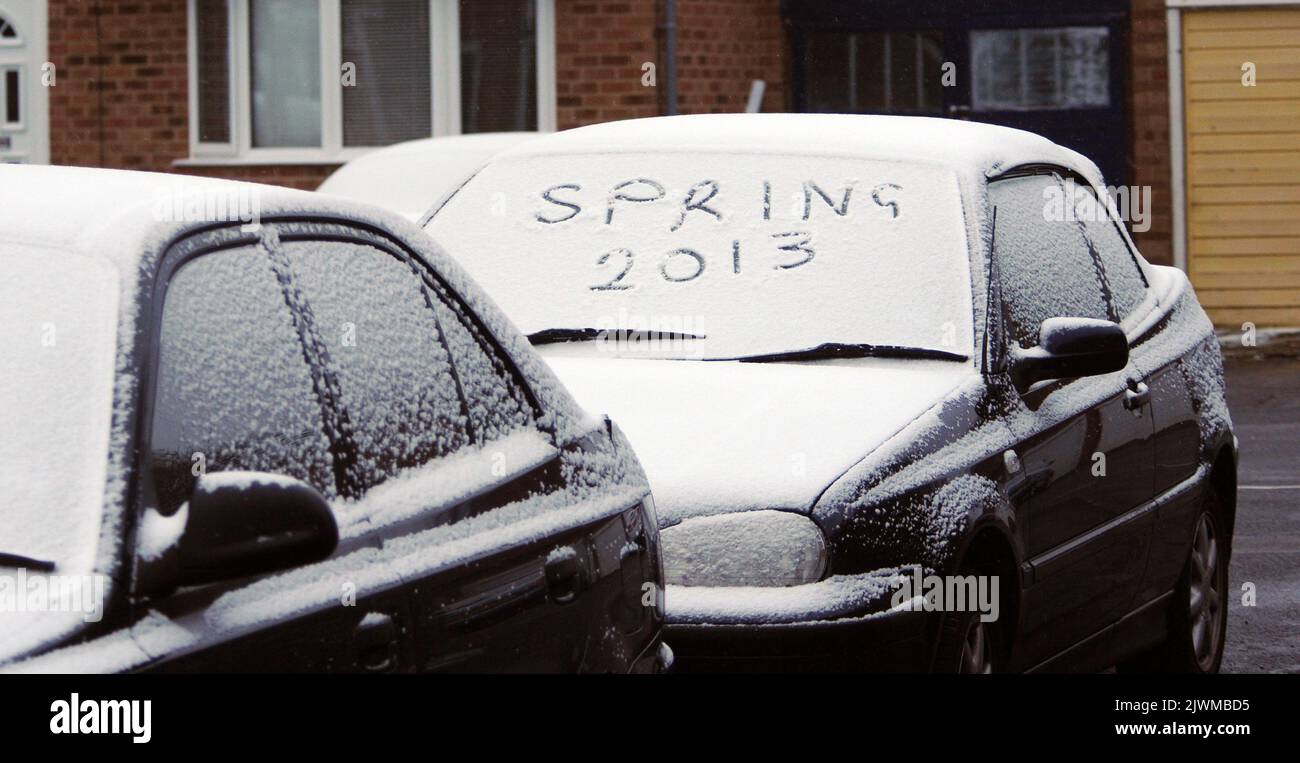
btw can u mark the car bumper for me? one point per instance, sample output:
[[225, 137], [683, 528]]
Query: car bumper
[[859, 634]]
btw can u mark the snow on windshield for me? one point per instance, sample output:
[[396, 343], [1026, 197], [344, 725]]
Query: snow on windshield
[[57, 350], [756, 253]]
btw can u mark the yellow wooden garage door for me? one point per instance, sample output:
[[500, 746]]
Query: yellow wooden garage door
[[1243, 163]]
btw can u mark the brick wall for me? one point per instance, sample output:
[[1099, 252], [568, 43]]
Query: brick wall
[[121, 96], [723, 46], [120, 99], [600, 49], [1149, 124]]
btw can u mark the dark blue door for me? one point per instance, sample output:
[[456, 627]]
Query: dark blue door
[[1054, 68]]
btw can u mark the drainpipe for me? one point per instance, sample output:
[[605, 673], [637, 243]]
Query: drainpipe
[[670, 53], [1177, 138]]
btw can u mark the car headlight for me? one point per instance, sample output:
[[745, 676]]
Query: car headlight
[[751, 548]]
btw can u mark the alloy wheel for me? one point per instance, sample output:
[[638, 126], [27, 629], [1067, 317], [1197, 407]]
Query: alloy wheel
[[1205, 599]]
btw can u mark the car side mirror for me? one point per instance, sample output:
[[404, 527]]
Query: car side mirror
[[1069, 348], [237, 524]]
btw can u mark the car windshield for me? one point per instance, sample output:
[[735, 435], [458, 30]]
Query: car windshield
[[720, 255], [57, 350]]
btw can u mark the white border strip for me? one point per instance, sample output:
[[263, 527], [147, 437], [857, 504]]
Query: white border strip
[[1177, 137]]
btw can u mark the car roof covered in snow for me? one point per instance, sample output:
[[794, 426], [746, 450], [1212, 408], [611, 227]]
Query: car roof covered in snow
[[118, 214], [969, 146], [407, 177], [122, 217]]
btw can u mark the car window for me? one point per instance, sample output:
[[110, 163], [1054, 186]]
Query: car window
[[498, 404], [234, 391], [395, 376], [750, 253], [1044, 264], [1125, 281]]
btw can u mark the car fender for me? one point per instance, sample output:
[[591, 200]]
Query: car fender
[[918, 498]]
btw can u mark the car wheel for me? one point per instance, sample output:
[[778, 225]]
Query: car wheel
[[967, 644], [1198, 615]]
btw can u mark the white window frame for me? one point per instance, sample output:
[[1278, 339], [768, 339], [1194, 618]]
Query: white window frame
[[445, 75]]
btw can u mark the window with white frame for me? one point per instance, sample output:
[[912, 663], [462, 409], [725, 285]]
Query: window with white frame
[[322, 80]]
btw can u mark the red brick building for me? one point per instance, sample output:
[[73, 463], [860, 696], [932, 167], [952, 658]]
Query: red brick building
[[282, 91]]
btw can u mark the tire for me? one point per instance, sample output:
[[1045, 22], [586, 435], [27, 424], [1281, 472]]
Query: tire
[[1198, 614], [966, 644]]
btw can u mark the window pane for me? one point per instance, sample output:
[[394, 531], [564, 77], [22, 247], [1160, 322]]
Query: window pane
[[900, 53], [388, 43], [498, 404], [1085, 66], [1044, 265], [931, 72], [394, 374], [13, 114], [1127, 286], [286, 73], [828, 64], [213, 34], [232, 380], [868, 83], [884, 72], [1050, 68], [498, 65]]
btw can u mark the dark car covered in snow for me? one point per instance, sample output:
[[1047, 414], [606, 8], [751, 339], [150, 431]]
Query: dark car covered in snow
[[908, 396], [253, 429]]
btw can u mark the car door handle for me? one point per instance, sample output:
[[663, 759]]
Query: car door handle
[[1136, 396], [375, 639], [563, 575]]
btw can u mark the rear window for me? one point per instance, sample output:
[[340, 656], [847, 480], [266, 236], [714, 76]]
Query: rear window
[[756, 253]]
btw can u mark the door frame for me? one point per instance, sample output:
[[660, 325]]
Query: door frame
[[31, 19]]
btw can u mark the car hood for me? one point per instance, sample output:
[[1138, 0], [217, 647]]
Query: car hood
[[720, 436]]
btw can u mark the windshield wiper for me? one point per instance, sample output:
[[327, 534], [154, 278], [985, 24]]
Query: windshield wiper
[[18, 561], [556, 336], [829, 350]]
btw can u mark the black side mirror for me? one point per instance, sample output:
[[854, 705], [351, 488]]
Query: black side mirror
[[1069, 348], [239, 524]]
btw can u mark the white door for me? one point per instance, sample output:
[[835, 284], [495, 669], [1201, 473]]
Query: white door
[[24, 98]]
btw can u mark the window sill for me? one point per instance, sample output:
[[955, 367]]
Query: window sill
[[271, 157]]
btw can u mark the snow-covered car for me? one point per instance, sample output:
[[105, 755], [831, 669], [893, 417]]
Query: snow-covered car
[[872, 365], [403, 177], [247, 428]]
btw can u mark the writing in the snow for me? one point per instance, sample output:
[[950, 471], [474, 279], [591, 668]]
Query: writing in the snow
[[783, 250]]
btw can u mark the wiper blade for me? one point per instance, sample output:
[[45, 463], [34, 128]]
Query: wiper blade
[[830, 350], [556, 336], [19, 561]]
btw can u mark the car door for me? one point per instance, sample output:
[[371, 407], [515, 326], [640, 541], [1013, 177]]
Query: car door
[[232, 387], [1085, 452], [446, 430], [1174, 415]]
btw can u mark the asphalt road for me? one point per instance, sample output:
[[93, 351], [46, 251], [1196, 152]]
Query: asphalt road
[[1264, 400]]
